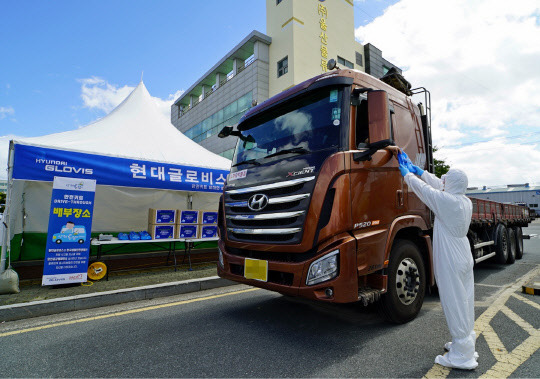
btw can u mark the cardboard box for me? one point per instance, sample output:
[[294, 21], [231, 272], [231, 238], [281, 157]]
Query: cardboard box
[[209, 217], [161, 231], [188, 216], [162, 216], [208, 231], [187, 231]]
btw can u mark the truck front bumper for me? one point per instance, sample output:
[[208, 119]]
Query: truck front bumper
[[290, 277]]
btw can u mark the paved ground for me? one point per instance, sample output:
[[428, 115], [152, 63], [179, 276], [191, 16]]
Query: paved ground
[[31, 290]]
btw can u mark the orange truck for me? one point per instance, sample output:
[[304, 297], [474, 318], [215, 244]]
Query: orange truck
[[315, 206]]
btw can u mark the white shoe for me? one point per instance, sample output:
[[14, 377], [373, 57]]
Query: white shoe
[[444, 361], [447, 348]]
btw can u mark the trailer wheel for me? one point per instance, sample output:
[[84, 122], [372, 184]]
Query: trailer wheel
[[519, 242], [501, 244], [406, 284], [511, 246]]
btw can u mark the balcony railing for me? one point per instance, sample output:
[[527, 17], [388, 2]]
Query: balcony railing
[[187, 108]]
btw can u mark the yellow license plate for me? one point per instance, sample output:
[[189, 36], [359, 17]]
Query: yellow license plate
[[256, 269]]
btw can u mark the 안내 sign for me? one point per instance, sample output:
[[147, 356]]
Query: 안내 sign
[[68, 238]]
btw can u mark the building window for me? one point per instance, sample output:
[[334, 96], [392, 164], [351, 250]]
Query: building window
[[359, 60], [344, 62], [385, 70], [533, 205], [278, 1], [228, 115], [283, 66]]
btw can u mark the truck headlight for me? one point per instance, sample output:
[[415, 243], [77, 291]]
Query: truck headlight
[[323, 269], [220, 258]]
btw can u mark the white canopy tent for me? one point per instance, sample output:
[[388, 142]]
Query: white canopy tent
[[162, 168]]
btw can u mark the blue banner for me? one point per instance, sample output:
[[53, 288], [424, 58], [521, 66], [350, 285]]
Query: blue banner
[[43, 164], [68, 238]]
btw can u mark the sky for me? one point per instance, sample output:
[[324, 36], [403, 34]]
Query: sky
[[65, 64]]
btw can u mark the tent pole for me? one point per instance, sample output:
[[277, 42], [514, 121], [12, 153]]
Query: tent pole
[[6, 219], [9, 279]]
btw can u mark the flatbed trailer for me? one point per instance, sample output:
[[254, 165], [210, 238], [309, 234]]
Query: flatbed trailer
[[496, 230]]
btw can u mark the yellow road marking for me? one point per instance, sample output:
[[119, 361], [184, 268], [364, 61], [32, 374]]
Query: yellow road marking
[[123, 313], [507, 362], [518, 320], [437, 371], [494, 342], [527, 301], [513, 360]]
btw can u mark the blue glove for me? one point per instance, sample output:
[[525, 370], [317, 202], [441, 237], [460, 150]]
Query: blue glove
[[403, 169], [404, 160], [417, 170]]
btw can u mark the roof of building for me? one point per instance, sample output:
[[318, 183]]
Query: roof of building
[[507, 189]]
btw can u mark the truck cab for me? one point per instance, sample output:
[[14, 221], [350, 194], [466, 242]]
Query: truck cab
[[315, 205]]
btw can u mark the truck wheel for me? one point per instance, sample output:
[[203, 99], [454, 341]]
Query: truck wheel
[[511, 246], [501, 244], [406, 284], [519, 242], [58, 242], [81, 241]]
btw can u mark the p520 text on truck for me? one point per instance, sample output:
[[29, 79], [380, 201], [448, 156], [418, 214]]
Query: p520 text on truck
[[315, 206]]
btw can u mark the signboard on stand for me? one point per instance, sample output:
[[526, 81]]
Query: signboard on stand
[[70, 223]]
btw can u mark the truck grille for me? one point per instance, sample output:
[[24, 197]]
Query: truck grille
[[268, 213]]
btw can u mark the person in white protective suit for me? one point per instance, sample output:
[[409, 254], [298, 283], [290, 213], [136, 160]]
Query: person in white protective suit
[[452, 258]]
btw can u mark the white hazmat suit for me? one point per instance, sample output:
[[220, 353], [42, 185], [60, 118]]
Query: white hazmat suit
[[452, 260]]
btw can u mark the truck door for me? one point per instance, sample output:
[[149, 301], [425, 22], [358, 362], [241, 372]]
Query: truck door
[[376, 186]]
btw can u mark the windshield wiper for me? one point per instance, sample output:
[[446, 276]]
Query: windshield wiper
[[247, 161], [296, 150]]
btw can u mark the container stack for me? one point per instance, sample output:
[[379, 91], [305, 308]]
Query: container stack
[[188, 224], [208, 224], [162, 223]]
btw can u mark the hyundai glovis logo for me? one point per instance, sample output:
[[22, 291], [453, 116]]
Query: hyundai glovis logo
[[258, 202]]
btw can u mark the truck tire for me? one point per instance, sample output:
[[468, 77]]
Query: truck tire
[[406, 283], [519, 242], [501, 244], [511, 246]]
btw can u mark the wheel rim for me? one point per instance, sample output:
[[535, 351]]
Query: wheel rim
[[407, 282]]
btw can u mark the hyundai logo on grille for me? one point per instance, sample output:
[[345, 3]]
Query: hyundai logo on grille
[[257, 202]]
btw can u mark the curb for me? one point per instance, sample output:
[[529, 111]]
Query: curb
[[101, 299], [532, 288]]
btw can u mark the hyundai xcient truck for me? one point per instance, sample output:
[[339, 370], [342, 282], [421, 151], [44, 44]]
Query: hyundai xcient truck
[[315, 205]]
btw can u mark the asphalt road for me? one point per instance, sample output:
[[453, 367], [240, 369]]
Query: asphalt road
[[243, 332]]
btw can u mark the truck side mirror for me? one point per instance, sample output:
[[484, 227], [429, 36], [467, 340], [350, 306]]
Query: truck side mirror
[[379, 117], [225, 132], [229, 131]]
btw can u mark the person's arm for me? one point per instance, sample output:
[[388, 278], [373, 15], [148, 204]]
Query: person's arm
[[426, 192], [432, 180]]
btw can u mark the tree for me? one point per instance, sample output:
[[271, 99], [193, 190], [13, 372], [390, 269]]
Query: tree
[[440, 166]]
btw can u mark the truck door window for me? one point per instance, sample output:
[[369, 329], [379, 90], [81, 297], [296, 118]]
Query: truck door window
[[362, 125]]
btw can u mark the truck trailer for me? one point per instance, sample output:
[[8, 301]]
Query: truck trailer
[[315, 206]]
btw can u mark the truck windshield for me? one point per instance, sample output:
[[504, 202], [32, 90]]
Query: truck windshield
[[308, 124]]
